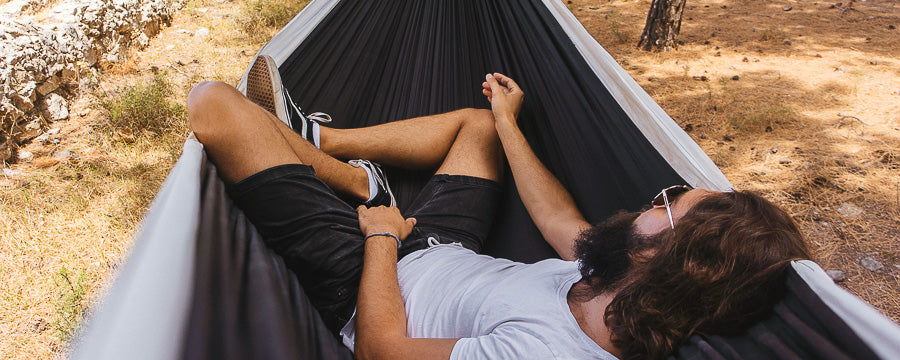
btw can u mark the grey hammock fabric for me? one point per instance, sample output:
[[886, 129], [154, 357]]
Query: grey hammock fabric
[[201, 284]]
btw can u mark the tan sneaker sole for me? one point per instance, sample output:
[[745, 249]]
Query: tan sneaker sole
[[264, 87]]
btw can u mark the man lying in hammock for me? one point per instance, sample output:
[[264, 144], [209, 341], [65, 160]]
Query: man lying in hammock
[[695, 262]]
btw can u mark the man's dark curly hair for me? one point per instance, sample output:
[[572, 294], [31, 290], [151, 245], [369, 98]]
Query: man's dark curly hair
[[719, 271]]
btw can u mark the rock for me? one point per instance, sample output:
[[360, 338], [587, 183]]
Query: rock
[[57, 107], [836, 275], [788, 8], [800, 27], [5, 149], [736, 78], [774, 150], [11, 172], [871, 264], [702, 136], [84, 112], [53, 131], [29, 131], [784, 162], [850, 210], [170, 48], [25, 156], [701, 78], [48, 86], [202, 32], [62, 155], [184, 32]]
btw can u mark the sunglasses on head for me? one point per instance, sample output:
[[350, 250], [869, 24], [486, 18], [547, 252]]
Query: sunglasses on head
[[667, 196]]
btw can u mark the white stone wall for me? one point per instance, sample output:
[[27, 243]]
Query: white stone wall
[[40, 60]]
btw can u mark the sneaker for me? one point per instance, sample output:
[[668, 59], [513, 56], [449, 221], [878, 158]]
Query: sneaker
[[379, 191], [264, 88]]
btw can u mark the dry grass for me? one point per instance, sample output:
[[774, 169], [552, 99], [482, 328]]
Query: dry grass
[[801, 106]]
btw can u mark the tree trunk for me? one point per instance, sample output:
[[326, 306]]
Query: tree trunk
[[663, 25]]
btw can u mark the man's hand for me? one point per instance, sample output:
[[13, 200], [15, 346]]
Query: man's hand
[[384, 219], [505, 97]]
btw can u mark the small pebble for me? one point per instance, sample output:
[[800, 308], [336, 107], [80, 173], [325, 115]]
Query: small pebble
[[789, 8], [787, 42], [11, 172], [735, 78], [25, 155], [784, 162], [62, 155], [836, 275], [774, 150], [703, 136], [850, 210], [871, 264]]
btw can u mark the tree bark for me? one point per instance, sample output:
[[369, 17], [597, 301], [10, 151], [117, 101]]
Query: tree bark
[[663, 25]]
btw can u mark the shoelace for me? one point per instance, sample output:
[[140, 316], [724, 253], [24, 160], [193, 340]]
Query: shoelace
[[318, 117]]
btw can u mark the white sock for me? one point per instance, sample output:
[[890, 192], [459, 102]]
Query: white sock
[[373, 187], [316, 134]]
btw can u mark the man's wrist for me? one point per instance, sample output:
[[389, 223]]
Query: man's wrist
[[386, 237]]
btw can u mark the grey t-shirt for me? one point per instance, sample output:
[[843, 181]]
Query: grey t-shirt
[[499, 308]]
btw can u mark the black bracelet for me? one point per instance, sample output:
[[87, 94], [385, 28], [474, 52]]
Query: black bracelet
[[385, 234]]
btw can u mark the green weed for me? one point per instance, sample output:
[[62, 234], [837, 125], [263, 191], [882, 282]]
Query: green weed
[[757, 120], [143, 108], [69, 303], [615, 26]]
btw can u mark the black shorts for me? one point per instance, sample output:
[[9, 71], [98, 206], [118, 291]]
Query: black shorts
[[318, 234]]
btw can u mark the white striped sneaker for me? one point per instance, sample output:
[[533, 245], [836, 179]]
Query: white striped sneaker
[[264, 88]]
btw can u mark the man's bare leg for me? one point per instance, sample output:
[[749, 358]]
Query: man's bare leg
[[461, 142], [243, 139]]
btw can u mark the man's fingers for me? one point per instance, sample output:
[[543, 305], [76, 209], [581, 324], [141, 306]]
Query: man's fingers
[[495, 86], [411, 222], [506, 81]]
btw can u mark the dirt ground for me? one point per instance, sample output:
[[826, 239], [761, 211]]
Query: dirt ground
[[797, 100]]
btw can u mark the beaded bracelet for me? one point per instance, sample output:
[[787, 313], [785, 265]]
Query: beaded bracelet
[[385, 234]]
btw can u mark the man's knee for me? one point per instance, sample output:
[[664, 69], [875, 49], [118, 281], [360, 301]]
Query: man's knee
[[479, 122], [204, 100]]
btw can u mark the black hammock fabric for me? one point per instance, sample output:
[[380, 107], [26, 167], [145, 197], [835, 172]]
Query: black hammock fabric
[[371, 62], [374, 61]]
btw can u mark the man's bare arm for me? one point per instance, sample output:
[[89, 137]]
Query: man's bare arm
[[549, 204], [381, 316]]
